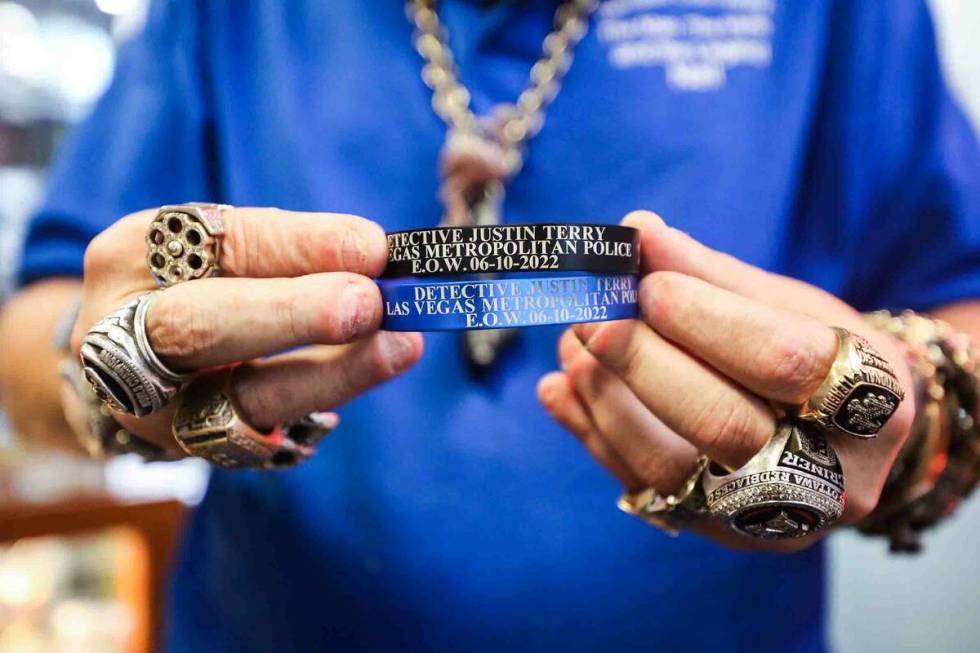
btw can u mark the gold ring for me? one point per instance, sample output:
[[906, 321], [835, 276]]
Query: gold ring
[[860, 393], [668, 513]]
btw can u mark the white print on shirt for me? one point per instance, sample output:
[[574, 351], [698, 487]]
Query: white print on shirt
[[696, 41]]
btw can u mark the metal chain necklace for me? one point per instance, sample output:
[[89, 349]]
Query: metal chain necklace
[[481, 153]]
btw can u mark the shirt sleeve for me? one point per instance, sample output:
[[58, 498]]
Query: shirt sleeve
[[918, 161], [146, 143]]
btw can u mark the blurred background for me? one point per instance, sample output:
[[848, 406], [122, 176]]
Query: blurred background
[[84, 546]]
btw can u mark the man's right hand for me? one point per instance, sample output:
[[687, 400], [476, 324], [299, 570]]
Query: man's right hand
[[290, 281]]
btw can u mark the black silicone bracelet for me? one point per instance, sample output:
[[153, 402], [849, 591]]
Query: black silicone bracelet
[[449, 251]]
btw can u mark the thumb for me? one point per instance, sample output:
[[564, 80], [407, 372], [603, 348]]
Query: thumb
[[663, 248]]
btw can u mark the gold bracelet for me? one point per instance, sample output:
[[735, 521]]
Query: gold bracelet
[[940, 463]]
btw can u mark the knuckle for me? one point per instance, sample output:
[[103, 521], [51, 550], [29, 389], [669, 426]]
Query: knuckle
[[615, 344], [726, 429], [177, 329], [661, 472], [236, 246], [652, 469], [102, 253], [633, 362], [862, 502], [794, 366], [363, 246], [350, 379], [291, 315], [660, 292], [133, 227], [99, 255], [260, 402], [257, 402], [581, 370]]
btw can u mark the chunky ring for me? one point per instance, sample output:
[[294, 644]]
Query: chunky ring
[[119, 364], [860, 392], [208, 424], [184, 242], [95, 429], [793, 487], [670, 512]]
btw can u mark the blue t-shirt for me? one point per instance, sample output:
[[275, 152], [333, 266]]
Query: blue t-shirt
[[814, 138]]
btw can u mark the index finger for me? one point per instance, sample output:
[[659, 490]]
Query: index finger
[[271, 242]]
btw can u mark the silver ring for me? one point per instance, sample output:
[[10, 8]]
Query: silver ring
[[117, 368], [183, 242], [143, 343], [793, 487]]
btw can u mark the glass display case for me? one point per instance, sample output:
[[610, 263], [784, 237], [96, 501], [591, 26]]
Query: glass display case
[[84, 574]]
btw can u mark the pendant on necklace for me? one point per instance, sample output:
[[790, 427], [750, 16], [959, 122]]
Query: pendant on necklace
[[474, 169]]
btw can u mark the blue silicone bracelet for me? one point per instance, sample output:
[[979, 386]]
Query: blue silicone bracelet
[[506, 302]]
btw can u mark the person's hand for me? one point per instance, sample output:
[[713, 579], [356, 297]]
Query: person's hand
[[720, 345], [289, 280]]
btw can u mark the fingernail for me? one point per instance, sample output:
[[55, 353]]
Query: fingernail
[[399, 349], [568, 344], [644, 219], [327, 420], [547, 387]]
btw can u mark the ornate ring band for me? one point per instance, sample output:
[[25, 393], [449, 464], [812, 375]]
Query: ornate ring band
[[668, 513], [143, 343], [860, 392], [793, 487], [491, 249], [208, 424], [184, 242], [119, 364], [93, 424]]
